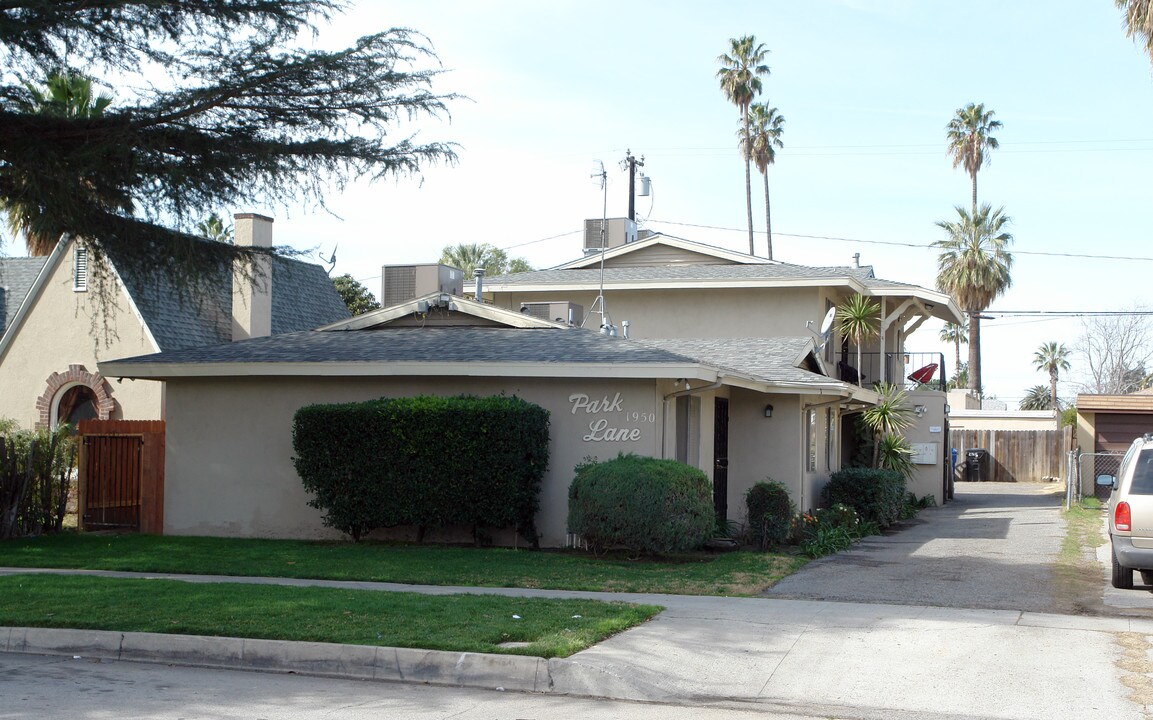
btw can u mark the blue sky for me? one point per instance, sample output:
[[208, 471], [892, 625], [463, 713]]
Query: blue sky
[[866, 89]]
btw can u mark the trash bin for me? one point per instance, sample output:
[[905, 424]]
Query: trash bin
[[976, 465]]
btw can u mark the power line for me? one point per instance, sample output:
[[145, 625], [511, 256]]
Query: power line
[[893, 243]]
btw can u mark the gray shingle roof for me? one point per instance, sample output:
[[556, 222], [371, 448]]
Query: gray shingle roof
[[444, 344], [768, 359], [16, 278], [681, 273], [303, 298]]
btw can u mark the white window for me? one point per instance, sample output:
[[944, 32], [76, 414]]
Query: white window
[[80, 268], [811, 439], [829, 462], [688, 432]]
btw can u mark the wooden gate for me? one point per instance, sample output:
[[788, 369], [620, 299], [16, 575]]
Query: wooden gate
[[1015, 455], [121, 472]]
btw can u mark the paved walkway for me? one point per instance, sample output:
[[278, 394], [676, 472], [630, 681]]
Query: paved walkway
[[803, 656]]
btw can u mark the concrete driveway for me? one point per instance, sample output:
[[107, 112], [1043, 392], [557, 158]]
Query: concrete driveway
[[993, 547]]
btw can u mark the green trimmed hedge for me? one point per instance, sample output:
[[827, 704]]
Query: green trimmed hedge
[[427, 461], [770, 513], [877, 495], [645, 505]]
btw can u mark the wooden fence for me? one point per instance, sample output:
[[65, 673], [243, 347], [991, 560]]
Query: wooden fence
[[1015, 455], [121, 472]]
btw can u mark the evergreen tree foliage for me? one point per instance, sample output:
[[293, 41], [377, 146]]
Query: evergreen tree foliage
[[356, 296], [215, 105]]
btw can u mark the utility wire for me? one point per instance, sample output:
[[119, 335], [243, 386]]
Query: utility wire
[[892, 243]]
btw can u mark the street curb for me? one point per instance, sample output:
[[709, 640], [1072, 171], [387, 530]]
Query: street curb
[[361, 662]]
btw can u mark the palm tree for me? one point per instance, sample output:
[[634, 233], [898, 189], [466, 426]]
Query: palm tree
[[970, 140], [954, 333], [1139, 21], [66, 95], [213, 228], [1052, 358], [859, 321], [974, 267], [1037, 398], [765, 127], [470, 256], [740, 78]]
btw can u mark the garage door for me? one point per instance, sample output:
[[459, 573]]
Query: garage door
[[1115, 431]]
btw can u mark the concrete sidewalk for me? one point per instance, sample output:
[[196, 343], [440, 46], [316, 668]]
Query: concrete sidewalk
[[830, 659]]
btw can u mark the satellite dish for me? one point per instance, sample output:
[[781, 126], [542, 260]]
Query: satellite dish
[[826, 328]]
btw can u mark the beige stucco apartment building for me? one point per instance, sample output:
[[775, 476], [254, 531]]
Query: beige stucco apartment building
[[719, 371]]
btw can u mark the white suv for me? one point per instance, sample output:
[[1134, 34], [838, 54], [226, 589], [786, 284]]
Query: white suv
[[1131, 514]]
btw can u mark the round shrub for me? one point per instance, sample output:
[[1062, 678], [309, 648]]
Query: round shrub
[[642, 504], [877, 495], [770, 513]]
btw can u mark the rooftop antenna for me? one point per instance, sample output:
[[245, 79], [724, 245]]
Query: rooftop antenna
[[330, 261], [607, 328]]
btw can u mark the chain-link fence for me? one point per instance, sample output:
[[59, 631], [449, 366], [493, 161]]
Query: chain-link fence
[[1082, 471]]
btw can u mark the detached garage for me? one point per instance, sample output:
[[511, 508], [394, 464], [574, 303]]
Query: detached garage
[[1109, 423], [1106, 426]]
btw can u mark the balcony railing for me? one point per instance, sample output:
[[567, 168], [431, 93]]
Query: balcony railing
[[914, 370]]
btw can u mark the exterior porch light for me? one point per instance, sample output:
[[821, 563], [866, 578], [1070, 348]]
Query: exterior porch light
[[768, 411]]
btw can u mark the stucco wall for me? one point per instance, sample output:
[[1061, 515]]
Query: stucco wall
[[761, 447], [929, 429], [712, 312], [66, 328], [229, 445]]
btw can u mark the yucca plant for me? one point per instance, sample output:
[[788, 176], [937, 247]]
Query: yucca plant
[[860, 320]]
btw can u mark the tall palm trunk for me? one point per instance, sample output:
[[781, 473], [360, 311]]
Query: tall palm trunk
[[974, 353], [768, 215], [974, 193], [1053, 387], [748, 187], [957, 350]]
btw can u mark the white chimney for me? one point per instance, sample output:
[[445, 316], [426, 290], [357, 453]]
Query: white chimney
[[252, 295]]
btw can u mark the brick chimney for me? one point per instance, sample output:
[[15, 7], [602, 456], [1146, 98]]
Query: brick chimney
[[252, 296]]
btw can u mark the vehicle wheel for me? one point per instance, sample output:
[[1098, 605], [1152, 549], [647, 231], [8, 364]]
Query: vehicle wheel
[[1122, 576], [1147, 577]]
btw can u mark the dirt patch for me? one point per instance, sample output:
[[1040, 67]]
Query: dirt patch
[[1135, 667]]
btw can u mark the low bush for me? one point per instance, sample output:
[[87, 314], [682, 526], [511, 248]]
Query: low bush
[[914, 505], [830, 530], [645, 505], [770, 511], [877, 495], [423, 461]]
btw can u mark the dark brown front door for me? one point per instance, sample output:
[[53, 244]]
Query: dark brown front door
[[721, 458]]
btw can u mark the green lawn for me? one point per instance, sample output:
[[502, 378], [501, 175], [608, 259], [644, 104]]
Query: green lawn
[[465, 623], [739, 573]]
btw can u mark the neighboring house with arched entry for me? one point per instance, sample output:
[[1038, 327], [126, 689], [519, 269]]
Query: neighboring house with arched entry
[[56, 329]]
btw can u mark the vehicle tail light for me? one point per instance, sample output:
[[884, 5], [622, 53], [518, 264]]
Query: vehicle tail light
[[1122, 520]]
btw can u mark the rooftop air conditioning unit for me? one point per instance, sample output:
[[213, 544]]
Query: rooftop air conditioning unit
[[561, 312], [618, 231], [401, 283]]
